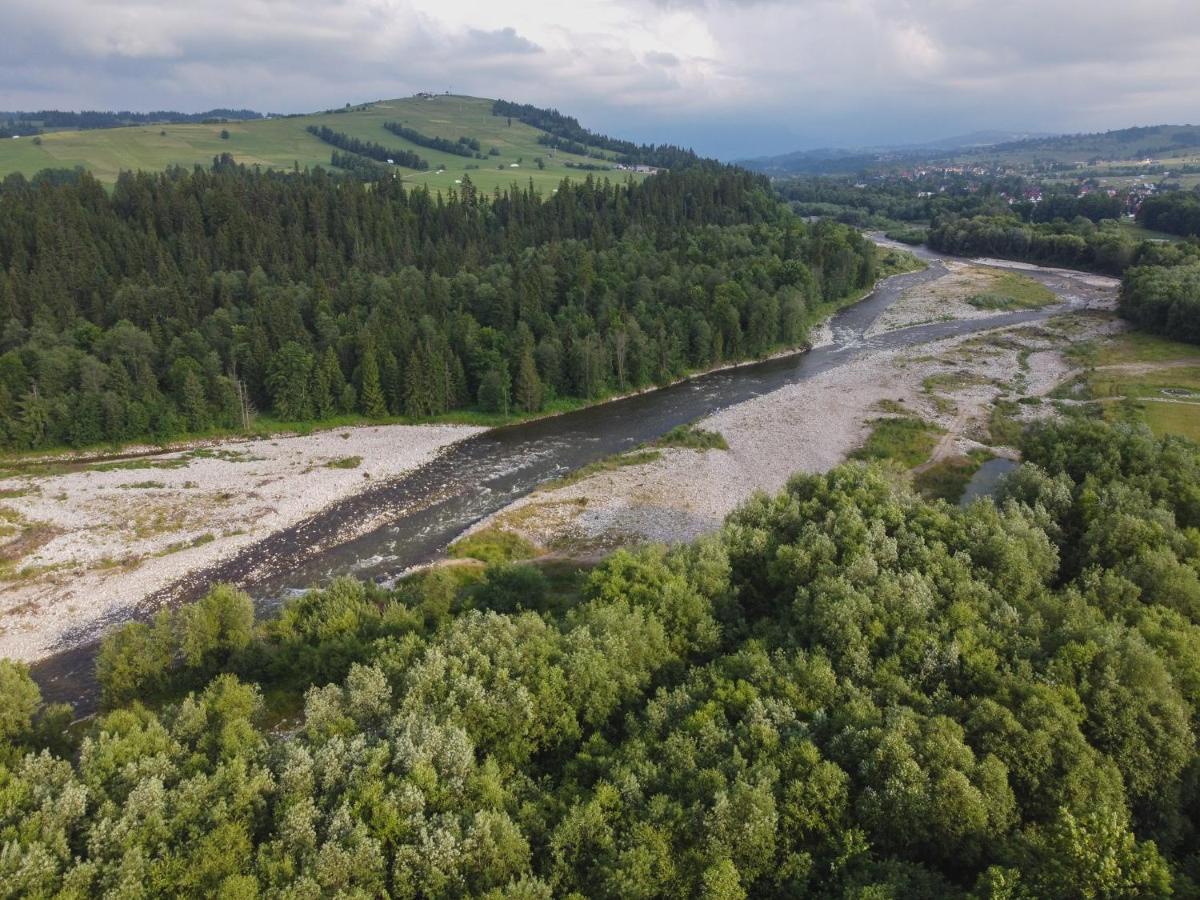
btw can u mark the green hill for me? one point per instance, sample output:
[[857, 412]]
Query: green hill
[[284, 142], [1126, 144], [1125, 149]]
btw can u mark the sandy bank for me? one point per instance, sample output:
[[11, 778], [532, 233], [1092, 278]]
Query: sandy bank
[[92, 539]]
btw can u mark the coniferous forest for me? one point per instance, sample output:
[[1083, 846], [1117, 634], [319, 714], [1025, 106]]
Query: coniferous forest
[[159, 308], [848, 692]]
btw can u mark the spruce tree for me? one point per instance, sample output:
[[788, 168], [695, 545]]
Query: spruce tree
[[419, 399], [527, 386], [35, 419], [331, 373], [194, 402], [371, 399], [288, 379], [322, 396]]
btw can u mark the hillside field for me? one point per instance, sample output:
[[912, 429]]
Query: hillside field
[[284, 142]]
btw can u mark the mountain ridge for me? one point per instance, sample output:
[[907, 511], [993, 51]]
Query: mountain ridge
[[1130, 143]]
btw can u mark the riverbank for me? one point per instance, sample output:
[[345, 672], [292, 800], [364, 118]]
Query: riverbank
[[898, 260], [965, 390], [425, 506], [95, 541], [86, 542]]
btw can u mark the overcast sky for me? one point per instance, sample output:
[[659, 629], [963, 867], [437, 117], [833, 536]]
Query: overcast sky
[[730, 77]]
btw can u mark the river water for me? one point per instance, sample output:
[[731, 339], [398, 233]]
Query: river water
[[426, 509]]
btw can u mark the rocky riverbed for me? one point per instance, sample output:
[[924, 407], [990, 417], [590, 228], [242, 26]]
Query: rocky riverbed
[[87, 539], [98, 544], [813, 425]]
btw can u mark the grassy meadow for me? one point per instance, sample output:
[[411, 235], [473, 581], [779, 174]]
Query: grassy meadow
[[1139, 377], [282, 143]]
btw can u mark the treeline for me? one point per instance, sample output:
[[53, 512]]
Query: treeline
[[574, 138], [877, 200], [360, 166], [1077, 245], [90, 119], [1160, 285], [849, 692], [1164, 299], [1128, 143], [1066, 204], [17, 128], [464, 146], [880, 200], [157, 309], [566, 145], [1176, 212], [407, 158]]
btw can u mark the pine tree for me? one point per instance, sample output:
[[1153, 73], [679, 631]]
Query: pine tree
[[527, 386], [330, 372], [371, 399], [194, 402], [419, 393]]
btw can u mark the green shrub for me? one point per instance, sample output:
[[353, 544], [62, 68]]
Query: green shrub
[[990, 300], [493, 545], [19, 700], [134, 660], [216, 627], [689, 437], [912, 236], [510, 588], [139, 660]]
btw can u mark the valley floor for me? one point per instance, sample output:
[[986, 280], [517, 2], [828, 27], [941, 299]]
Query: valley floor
[[84, 544]]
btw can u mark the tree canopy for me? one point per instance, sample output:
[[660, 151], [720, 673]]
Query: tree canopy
[[848, 692], [149, 312], [1176, 212]]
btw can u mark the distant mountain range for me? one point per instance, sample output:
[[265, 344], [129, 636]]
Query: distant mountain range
[[995, 146], [974, 139], [799, 161]]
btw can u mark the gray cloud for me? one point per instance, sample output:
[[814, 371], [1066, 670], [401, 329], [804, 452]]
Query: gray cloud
[[731, 76], [658, 58], [502, 40]]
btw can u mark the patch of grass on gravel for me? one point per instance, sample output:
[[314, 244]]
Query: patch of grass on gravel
[[493, 545], [1012, 291], [907, 440], [689, 437], [608, 464], [1004, 428]]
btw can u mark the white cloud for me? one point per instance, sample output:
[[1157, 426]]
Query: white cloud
[[715, 72]]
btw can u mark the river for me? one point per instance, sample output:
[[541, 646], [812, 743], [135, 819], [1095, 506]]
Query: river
[[427, 508]]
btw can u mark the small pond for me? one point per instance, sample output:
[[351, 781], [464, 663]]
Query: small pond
[[985, 479]]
